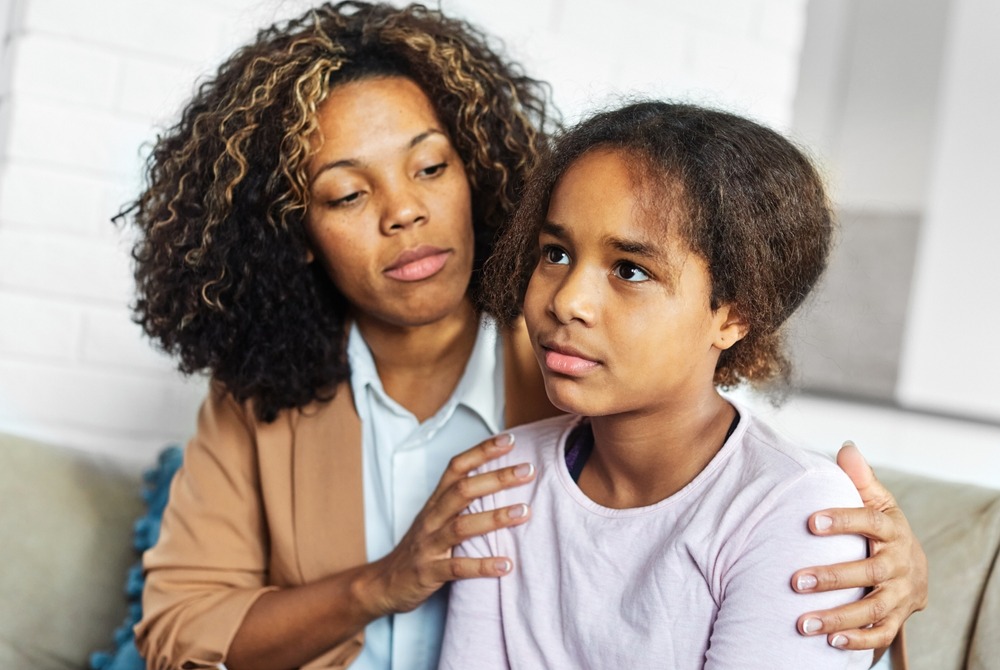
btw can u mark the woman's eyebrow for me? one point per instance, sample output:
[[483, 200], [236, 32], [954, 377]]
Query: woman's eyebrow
[[420, 137], [355, 162]]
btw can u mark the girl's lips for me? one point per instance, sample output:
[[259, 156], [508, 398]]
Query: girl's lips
[[567, 362], [418, 263]]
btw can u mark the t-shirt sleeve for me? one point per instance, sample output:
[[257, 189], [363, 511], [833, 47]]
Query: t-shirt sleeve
[[758, 610], [473, 635]]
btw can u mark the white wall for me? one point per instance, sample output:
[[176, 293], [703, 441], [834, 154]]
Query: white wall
[[885, 105], [92, 80], [951, 359]]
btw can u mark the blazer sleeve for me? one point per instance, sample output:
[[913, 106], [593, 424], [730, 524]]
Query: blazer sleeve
[[210, 563]]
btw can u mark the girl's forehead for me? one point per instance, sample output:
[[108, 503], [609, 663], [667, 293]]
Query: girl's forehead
[[627, 193]]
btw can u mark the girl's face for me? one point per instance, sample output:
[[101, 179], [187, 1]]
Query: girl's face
[[618, 310], [390, 213]]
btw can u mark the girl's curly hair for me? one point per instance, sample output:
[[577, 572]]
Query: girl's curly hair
[[220, 263], [752, 205]]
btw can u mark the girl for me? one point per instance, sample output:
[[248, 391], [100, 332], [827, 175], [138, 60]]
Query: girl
[[658, 252]]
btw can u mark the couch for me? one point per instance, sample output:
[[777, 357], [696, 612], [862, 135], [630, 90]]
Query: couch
[[66, 545]]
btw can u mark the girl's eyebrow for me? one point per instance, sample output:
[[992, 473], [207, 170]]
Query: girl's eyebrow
[[554, 229], [626, 246], [635, 247]]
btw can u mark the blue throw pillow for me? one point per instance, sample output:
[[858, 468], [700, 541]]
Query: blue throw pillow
[[156, 487]]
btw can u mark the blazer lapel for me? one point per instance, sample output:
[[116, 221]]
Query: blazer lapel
[[328, 494]]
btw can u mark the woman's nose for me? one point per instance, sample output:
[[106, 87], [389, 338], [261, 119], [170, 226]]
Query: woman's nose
[[403, 208]]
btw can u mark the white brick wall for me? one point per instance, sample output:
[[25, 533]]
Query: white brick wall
[[88, 83]]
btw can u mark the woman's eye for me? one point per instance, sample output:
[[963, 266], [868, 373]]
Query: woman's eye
[[630, 272], [433, 170], [555, 255], [348, 199]]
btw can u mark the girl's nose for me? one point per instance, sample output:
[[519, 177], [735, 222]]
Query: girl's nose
[[404, 208], [575, 298]]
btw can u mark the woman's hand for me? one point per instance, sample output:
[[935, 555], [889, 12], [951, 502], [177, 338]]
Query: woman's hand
[[896, 569], [422, 562]]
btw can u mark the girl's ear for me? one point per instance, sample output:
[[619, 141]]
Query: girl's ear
[[310, 256], [731, 327]]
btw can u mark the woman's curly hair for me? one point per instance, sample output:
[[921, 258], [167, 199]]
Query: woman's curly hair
[[751, 204], [220, 263]]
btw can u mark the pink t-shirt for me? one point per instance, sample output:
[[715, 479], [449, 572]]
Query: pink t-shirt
[[698, 580]]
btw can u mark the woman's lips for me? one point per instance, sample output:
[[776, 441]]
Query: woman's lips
[[567, 361], [417, 263]]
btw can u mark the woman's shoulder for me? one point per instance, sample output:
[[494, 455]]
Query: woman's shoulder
[[524, 391]]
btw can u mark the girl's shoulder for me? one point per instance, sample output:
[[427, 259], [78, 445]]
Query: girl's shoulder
[[538, 442], [777, 464]]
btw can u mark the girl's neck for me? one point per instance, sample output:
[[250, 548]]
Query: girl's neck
[[641, 460], [420, 366]]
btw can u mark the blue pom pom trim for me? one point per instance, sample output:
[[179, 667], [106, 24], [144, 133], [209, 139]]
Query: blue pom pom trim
[[146, 530]]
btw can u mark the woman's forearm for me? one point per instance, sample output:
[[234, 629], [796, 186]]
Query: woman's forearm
[[316, 617]]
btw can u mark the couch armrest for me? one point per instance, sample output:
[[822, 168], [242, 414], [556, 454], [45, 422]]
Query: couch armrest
[[959, 528], [66, 543]]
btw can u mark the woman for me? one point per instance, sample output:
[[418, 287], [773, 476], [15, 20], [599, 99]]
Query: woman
[[311, 235]]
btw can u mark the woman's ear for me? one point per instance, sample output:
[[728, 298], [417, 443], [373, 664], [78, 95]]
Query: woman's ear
[[731, 327], [310, 256]]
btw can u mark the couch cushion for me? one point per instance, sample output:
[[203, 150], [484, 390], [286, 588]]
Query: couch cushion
[[65, 543], [959, 528]]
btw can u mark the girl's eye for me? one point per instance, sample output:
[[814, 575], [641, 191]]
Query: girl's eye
[[433, 170], [555, 255], [630, 272]]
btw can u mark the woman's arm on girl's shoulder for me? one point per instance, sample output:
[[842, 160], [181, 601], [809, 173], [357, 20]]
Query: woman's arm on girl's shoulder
[[758, 607], [208, 597], [896, 569]]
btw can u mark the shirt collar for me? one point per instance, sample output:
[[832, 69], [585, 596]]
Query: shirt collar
[[480, 389]]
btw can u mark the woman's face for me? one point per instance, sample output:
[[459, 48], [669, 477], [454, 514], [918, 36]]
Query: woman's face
[[390, 213]]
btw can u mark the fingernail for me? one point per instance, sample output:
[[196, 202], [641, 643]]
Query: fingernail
[[811, 626], [502, 565], [524, 470], [503, 440], [849, 443], [823, 522], [806, 582], [839, 641], [517, 511]]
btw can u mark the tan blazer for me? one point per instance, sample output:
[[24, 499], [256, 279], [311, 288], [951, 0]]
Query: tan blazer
[[251, 510]]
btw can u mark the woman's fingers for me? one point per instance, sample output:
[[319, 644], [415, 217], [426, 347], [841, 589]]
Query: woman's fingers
[[866, 573], [458, 488], [464, 526], [872, 523], [872, 493], [422, 561], [868, 623], [462, 464], [471, 568]]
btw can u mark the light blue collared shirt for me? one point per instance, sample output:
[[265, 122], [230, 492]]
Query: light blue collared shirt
[[403, 460]]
